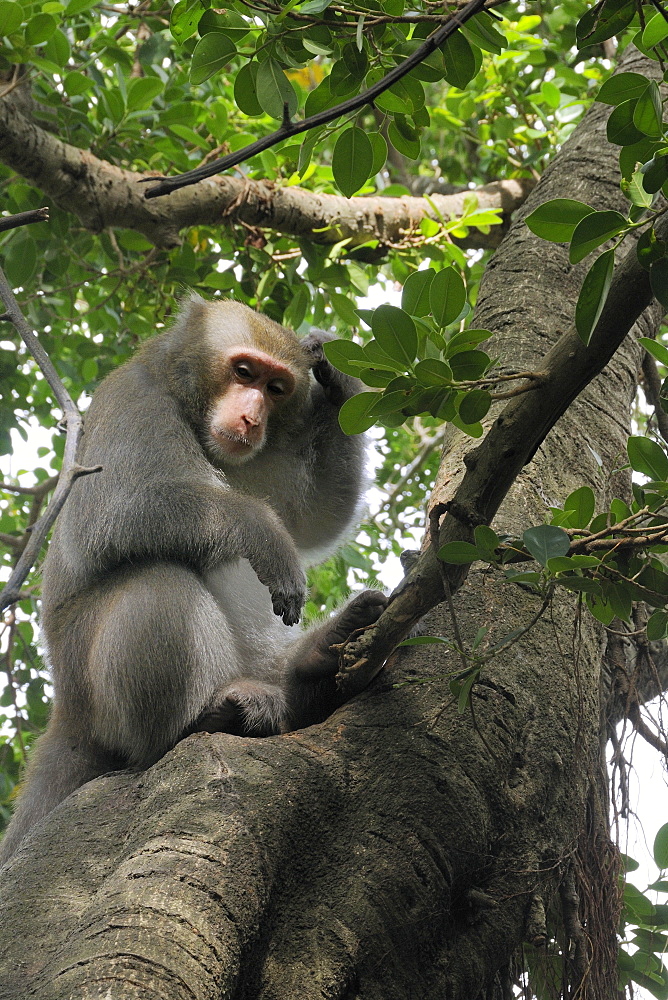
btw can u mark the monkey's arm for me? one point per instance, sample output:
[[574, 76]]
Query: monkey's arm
[[158, 498], [337, 472]]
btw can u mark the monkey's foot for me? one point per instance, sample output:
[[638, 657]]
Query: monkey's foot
[[321, 660], [243, 708]]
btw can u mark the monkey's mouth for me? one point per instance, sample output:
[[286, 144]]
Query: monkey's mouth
[[234, 445]]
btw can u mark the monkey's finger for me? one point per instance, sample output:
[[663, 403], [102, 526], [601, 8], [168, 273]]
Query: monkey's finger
[[288, 607]]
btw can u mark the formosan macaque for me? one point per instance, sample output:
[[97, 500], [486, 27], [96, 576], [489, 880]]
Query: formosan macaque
[[175, 574]]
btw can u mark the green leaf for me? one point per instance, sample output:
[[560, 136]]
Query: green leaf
[[467, 366], [656, 349], [570, 564], [556, 220], [655, 31], [466, 339], [404, 137], [580, 584], [582, 503], [143, 91], [89, 370], [637, 153], [245, 91], [464, 692], [404, 97], [352, 160], [433, 372], [426, 640], [657, 628], [39, 28], [274, 90], [379, 150], [474, 406], [604, 20], [620, 128], [660, 850], [415, 295], [212, 52], [344, 307], [347, 356], [481, 30], [636, 192], [230, 23], [77, 7], [57, 49], [314, 6], [76, 83], [594, 230], [486, 541], [184, 18], [388, 402], [354, 414], [458, 553], [648, 457], [593, 295], [648, 111], [622, 87], [546, 542], [658, 279], [460, 62], [447, 296], [11, 17], [654, 173], [378, 358], [395, 333]]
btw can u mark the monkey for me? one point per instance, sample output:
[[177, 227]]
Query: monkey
[[175, 574]]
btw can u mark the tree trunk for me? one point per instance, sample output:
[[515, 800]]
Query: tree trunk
[[402, 849]]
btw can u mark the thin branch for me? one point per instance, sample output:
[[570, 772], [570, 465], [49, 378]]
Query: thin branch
[[289, 129], [23, 219], [70, 471]]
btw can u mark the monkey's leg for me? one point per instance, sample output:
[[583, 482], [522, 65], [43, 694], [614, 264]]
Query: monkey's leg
[[312, 665], [60, 762], [160, 650], [245, 707]]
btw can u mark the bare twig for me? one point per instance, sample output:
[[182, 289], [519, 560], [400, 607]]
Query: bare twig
[[70, 471], [287, 128]]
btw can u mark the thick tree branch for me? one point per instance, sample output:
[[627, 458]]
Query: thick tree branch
[[102, 195]]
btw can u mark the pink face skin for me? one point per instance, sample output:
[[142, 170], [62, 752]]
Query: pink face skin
[[237, 421]]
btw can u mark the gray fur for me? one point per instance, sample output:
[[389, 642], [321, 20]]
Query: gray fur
[[169, 573]]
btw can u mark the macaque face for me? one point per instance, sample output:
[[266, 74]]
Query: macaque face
[[254, 385]]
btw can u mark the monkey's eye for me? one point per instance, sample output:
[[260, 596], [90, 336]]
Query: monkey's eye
[[276, 388], [242, 371]]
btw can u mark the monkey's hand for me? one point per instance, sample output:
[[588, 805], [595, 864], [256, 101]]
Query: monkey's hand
[[338, 387], [288, 600], [287, 588], [320, 660]]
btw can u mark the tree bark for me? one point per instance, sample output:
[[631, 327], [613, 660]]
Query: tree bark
[[401, 849], [103, 195]]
